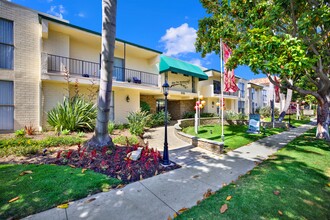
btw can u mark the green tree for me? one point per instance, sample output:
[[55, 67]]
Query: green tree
[[287, 38], [102, 137]]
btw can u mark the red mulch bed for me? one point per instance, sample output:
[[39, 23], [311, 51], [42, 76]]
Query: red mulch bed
[[114, 162]]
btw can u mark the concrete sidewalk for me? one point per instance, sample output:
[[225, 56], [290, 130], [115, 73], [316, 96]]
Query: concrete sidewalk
[[163, 195]]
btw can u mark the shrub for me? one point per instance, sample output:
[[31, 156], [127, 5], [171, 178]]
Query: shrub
[[25, 146], [265, 111], [121, 126], [137, 121], [65, 132], [207, 115], [111, 127], [74, 114], [145, 107], [81, 134], [276, 112], [29, 130], [122, 140], [159, 119], [20, 133], [189, 115], [230, 115]]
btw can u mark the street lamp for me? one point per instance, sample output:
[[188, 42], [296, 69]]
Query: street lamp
[[166, 160]]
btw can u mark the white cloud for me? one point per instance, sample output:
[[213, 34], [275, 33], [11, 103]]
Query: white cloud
[[57, 10], [49, 1], [81, 14], [180, 40], [196, 62]]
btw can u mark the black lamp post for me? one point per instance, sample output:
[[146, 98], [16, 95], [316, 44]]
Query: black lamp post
[[166, 160]]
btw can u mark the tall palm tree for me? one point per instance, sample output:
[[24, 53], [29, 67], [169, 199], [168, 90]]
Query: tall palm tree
[[101, 137]]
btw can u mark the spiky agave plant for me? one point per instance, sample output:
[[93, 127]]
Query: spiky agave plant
[[74, 114]]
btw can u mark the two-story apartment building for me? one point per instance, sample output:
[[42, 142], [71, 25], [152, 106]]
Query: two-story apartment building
[[44, 58], [233, 101]]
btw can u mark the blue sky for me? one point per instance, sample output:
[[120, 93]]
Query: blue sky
[[168, 26]]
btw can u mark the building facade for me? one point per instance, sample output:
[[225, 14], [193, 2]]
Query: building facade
[[46, 59]]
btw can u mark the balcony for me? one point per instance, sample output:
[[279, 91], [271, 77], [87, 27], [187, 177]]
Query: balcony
[[60, 64], [218, 92]]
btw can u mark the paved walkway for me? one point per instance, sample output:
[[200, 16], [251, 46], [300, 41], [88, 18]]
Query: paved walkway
[[163, 195], [155, 138]]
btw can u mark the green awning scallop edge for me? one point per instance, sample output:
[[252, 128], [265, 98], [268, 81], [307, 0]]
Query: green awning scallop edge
[[178, 66]]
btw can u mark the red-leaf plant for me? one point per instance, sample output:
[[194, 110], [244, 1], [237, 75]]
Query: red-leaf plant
[[104, 165], [116, 157], [69, 153], [135, 146], [59, 154], [79, 148], [104, 150], [93, 154], [82, 154]]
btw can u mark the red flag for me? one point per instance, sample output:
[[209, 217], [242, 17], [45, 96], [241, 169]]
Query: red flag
[[277, 91], [229, 76]]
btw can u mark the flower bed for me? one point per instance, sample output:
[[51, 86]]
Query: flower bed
[[114, 162]]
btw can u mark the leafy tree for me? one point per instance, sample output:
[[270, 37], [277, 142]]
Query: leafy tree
[[287, 38], [102, 137]]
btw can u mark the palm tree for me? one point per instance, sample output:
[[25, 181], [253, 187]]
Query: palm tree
[[101, 137]]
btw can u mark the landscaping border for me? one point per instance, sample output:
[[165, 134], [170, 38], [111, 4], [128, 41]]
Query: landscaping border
[[213, 146]]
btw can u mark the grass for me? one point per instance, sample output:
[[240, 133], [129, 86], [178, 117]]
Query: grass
[[47, 187], [235, 135], [22, 146], [300, 172], [293, 121]]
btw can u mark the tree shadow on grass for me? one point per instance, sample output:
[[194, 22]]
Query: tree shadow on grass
[[303, 193]]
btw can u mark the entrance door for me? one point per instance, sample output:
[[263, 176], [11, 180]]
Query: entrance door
[[6, 106]]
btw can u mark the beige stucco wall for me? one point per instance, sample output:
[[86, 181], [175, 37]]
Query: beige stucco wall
[[52, 94], [26, 73], [122, 107], [83, 51], [136, 63], [57, 44]]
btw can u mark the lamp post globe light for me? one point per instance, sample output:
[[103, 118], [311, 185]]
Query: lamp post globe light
[[166, 160]]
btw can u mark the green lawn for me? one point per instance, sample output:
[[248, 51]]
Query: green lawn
[[235, 135], [301, 174], [47, 187], [293, 121]]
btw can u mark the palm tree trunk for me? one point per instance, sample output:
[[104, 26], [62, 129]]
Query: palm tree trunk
[[102, 137]]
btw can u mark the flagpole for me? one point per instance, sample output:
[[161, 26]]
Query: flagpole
[[222, 87]]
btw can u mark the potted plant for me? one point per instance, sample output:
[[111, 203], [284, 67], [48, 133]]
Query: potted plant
[[129, 80]]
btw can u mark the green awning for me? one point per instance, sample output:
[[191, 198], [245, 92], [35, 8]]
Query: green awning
[[178, 66]]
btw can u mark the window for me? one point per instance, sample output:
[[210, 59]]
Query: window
[[216, 87], [6, 105], [253, 91], [264, 95], [241, 89], [241, 107], [6, 44]]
